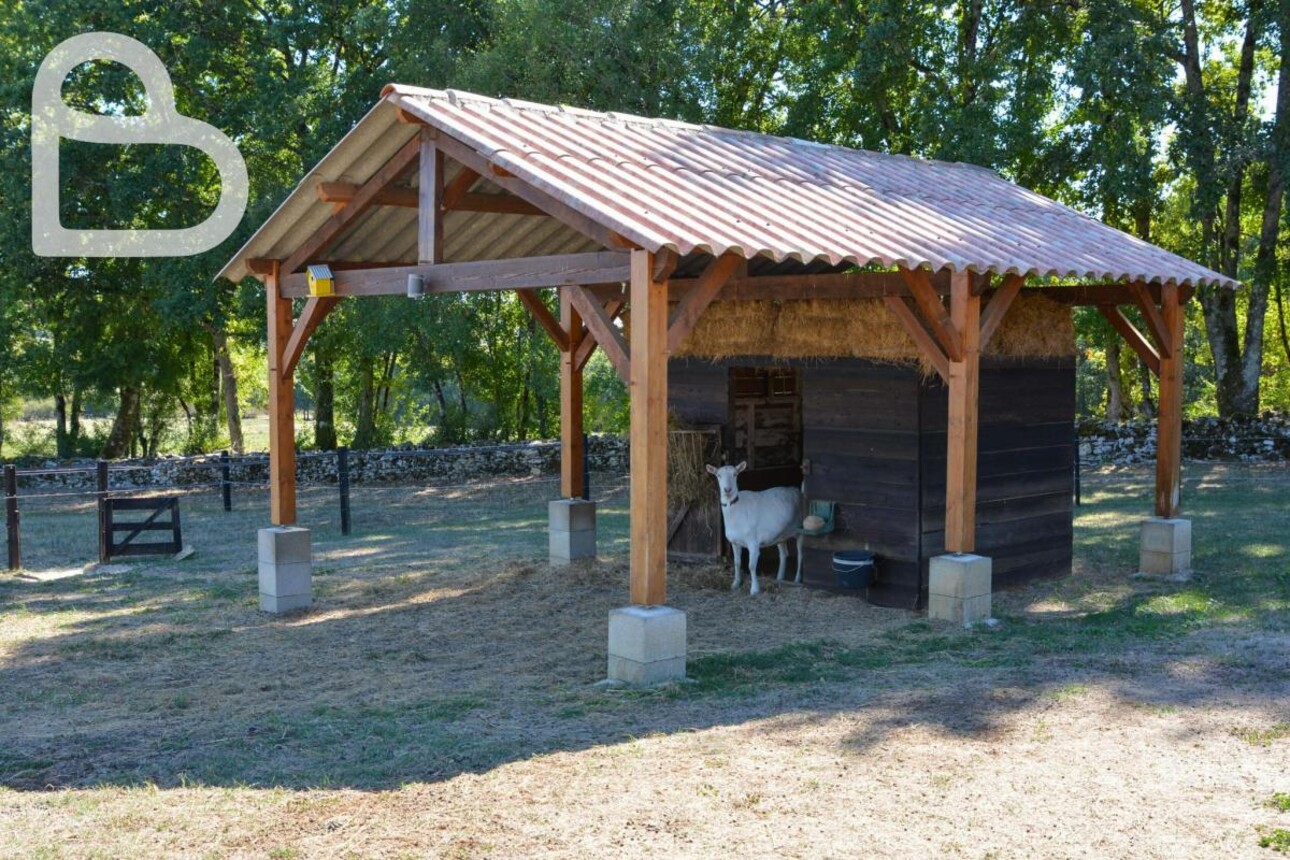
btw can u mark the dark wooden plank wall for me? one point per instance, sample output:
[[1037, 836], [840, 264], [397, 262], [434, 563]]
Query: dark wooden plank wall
[[1025, 468], [875, 437], [860, 428]]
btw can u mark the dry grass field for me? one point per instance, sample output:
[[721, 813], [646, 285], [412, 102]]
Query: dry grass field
[[439, 700]]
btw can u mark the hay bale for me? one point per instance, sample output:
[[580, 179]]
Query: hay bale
[[862, 328], [1035, 326], [688, 453], [729, 329]]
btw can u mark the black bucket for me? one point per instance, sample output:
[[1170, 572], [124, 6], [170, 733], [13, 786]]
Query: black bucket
[[854, 568]]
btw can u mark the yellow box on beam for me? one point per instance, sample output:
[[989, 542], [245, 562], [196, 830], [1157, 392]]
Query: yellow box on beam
[[321, 281]]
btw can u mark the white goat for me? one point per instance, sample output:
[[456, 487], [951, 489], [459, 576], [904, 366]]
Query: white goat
[[757, 519]]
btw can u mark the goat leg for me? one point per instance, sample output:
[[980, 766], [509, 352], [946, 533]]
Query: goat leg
[[739, 576], [754, 553], [783, 560]]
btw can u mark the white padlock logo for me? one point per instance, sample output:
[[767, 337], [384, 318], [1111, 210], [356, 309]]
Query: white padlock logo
[[52, 120]]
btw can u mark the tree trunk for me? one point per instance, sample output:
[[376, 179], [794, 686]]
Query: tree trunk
[[228, 382], [74, 420], [442, 400], [1147, 406], [324, 399], [1266, 264], [121, 439], [1234, 394], [62, 450], [1114, 384], [365, 431]]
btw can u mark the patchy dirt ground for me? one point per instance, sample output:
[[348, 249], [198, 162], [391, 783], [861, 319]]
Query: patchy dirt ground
[[439, 701]]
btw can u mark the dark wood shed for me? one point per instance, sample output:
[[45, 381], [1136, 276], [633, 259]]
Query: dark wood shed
[[873, 436]]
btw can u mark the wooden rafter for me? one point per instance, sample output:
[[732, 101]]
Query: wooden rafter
[[596, 267], [1153, 318], [998, 306], [602, 328], [933, 312], [343, 192], [1132, 336], [322, 238], [314, 312], [698, 298], [903, 310], [543, 201], [539, 311]]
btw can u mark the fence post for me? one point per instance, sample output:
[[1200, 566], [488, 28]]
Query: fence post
[[1078, 467], [586, 468], [342, 478], [226, 481], [101, 484], [11, 516]]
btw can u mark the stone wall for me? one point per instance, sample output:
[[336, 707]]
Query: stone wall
[[400, 465], [1264, 439], [1261, 439]]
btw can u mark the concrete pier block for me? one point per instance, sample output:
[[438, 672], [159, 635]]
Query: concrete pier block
[[1165, 546], [959, 587], [286, 569], [571, 530], [646, 645]]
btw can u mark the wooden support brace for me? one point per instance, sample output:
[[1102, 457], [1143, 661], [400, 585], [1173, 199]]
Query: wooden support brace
[[459, 187], [648, 388], [343, 192], [933, 312], [602, 328], [998, 306], [665, 263], [1132, 336], [1153, 318], [315, 311], [533, 302], [696, 301], [903, 310], [322, 238], [587, 346]]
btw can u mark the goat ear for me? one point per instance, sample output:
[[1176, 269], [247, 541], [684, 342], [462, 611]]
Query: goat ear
[[742, 465], [712, 470]]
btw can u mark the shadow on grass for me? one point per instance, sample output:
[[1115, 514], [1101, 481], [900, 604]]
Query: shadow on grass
[[432, 652]]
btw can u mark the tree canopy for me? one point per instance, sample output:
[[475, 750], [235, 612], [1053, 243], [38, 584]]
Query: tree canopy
[[1168, 120]]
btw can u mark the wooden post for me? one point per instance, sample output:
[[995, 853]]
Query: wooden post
[[430, 200], [964, 383], [648, 433], [11, 516], [1169, 421], [226, 481], [342, 479], [572, 475], [105, 520], [282, 415]]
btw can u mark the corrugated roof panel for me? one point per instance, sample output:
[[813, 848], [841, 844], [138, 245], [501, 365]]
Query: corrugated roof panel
[[700, 189]]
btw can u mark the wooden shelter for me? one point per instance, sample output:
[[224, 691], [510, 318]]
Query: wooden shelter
[[653, 221]]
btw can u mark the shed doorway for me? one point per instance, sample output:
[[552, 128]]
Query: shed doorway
[[765, 422]]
